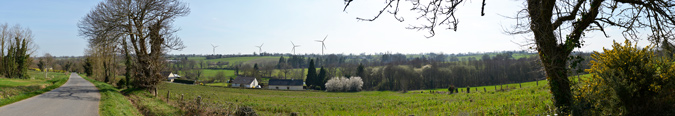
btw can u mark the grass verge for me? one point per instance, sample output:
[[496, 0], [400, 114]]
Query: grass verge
[[14, 90], [113, 103], [150, 105]]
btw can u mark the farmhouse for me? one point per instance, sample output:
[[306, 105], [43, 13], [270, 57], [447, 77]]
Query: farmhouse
[[246, 82], [285, 84], [169, 75]]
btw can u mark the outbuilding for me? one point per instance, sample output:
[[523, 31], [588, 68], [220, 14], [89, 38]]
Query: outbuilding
[[170, 76], [246, 82], [285, 84]]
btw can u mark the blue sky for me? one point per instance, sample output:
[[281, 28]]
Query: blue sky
[[238, 26]]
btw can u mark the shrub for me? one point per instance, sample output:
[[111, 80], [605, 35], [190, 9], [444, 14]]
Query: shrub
[[342, 84], [245, 111], [626, 81], [452, 88]]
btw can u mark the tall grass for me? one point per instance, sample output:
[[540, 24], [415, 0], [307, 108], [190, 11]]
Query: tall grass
[[148, 104]]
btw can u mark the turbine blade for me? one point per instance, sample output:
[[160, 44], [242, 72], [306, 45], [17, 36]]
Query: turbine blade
[[318, 40], [324, 38]]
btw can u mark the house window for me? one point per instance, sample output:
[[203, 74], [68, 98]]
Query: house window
[[288, 88], [277, 87]]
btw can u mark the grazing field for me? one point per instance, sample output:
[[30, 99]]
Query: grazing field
[[515, 56], [210, 73], [529, 100], [246, 60], [13, 90]]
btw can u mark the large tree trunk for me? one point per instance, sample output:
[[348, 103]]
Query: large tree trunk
[[555, 66], [553, 55]]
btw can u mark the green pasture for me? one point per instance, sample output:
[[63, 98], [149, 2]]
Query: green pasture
[[528, 100]]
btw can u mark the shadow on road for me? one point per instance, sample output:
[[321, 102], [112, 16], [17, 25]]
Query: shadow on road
[[72, 93]]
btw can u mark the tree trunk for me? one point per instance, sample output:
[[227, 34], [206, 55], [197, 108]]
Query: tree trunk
[[127, 63], [557, 79], [553, 55]]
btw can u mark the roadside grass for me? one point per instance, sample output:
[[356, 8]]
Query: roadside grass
[[13, 90], [529, 100], [113, 103], [150, 105]]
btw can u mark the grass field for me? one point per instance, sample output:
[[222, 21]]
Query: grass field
[[13, 90], [515, 56], [529, 100], [246, 60], [113, 103], [209, 73]]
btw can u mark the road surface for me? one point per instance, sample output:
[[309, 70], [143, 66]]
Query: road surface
[[77, 97]]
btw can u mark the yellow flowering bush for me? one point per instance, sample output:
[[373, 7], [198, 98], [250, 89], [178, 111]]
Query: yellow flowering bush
[[625, 81]]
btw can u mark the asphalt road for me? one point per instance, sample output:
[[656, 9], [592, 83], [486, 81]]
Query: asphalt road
[[77, 97]]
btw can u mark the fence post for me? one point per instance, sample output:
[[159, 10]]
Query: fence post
[[155, 91], [181, 97], [167, 95], [199, 100]]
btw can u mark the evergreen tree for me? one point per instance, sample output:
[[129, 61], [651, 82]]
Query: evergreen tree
[[360, 71], [281, 62], [255, 67], [321, 80], [311, 75]]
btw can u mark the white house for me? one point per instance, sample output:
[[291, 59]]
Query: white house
[[286, 84], [246, 82], [170, 76]]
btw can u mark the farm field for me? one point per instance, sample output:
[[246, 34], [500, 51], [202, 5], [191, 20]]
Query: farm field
[[246, 60], [210, 73], [13, 90], [529, 100]]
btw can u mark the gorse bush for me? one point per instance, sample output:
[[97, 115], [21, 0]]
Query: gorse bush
[[627, 81], [342, 84]]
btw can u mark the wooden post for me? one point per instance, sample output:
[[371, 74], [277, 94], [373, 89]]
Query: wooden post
[[484, 90], [155, 91], [468, 89], [199, 102], [181, 97], [167, 95], [521, 85]]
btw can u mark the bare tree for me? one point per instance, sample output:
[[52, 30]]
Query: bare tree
[[558, 27], [46, 63], [144, 25]]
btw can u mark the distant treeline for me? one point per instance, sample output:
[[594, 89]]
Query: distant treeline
[[409, 72]]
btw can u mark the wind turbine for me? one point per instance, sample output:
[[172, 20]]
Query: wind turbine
[[214, 48], [323, 45], [294, 47], [260, 48]]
